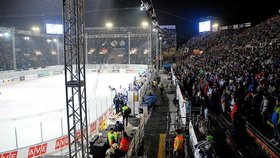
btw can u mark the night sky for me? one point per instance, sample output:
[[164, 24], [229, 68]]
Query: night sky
[[185, 14]]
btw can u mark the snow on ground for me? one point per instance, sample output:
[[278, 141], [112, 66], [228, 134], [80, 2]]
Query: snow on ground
[[34, 111]]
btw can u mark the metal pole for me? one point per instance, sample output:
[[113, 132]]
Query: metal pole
[[16, 138], [160, 53], [61, 124], [13, 48], [86, 47], [41, 128], [58, 54], [129, 48], [157, 54]]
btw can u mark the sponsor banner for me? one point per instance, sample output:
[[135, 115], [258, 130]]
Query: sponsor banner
[[193, 138], [248, 24], [115, 71], [43, 74], [122, 71], [30, 77], [57, 144], [93, 127], [12, 154], [57, 72], [102, 122], [22, 78], [15, 79], [131, 71], [40, 75], [37, 150], [61, 142]]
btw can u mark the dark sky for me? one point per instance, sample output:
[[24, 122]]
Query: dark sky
[[184, 14]]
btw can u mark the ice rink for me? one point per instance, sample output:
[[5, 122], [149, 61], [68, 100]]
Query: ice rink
[[34, 111]]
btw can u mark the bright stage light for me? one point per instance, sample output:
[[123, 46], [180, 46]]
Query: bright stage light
[[109, 25], [6, 34], [35, 29], [145, 24]]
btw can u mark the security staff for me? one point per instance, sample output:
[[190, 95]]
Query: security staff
[[112, 137], [125, 110]]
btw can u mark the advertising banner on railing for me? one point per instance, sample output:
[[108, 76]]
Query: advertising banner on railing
[[193, 139], [57, 144]]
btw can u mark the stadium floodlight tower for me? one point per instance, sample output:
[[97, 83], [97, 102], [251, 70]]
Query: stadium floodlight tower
[[75, 79]]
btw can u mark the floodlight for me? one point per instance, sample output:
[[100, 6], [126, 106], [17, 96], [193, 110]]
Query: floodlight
[[215, 25], [6, 34], [109, 25], [35, 29], [145, 24]]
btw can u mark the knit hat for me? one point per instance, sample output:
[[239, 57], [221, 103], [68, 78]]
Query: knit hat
[[209, 138]]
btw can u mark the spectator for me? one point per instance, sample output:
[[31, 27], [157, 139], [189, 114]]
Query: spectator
[[264, 109], [178, 144], [276, 123], [124, 144], [117, 103], [119, 126]]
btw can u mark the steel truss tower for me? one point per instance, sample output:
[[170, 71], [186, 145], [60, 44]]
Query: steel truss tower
[[75, 79]]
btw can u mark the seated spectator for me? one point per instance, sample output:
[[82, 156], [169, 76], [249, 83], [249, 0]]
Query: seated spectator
[[124, 144], [119, 126], [113, 151]]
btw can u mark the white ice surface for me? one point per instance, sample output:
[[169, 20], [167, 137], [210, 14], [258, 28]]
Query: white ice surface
[[28, 106]]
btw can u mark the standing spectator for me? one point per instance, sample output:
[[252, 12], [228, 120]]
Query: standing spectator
[[161, 88], [223, 101], [178, 144], [188, 104], [126, 112], [234, 114], [276, 123], [117, 103], [264, 109]]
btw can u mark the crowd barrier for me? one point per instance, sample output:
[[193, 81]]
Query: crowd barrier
[[180, 98], [57, 144], [7, 77]]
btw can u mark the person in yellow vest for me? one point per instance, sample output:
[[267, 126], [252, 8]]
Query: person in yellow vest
[[125, 110], [112, 137], [178, 144]]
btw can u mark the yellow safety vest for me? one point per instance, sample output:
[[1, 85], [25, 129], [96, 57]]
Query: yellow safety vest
[[112, 137], [124, 108]]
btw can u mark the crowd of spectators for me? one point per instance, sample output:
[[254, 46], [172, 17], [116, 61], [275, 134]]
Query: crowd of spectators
[[30, 51], [5, 54], [237, 72], [114, 50], [40, 50], [169, 42]]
